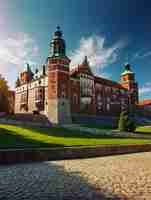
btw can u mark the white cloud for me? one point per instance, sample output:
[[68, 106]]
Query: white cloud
[[17, 51], [140, 55], [105, 75], [147, 54], [145, 89], [99, 56]]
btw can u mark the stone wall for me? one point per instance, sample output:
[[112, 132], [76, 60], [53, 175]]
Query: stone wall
[[17, 102], [59, 111], [31, 100]]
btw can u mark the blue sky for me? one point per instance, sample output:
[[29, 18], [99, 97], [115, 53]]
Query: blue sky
[[109, 32]]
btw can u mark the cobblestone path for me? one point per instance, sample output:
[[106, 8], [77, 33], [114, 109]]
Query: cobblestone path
[[124, 177]]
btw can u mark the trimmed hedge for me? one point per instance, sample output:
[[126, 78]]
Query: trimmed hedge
[[126, 122]]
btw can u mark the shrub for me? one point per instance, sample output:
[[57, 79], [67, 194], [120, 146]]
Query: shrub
[[35, 112], [123, 121], [131, 125], [126, 122]]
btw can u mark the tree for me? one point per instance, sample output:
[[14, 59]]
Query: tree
[[4, 95], [126, 122]]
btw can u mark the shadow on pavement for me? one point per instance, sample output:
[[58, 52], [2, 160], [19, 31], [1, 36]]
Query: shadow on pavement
[[46, 180]]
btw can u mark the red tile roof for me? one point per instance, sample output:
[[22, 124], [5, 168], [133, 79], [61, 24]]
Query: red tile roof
[[84, 68], [145, 102], [108, 82]]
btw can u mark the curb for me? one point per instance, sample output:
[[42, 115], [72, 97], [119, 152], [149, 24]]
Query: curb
[[10, 156]]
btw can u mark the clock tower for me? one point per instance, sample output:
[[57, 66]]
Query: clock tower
[[58, 81]]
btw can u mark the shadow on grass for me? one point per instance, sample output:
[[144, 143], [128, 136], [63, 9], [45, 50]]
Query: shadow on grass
[[9, 139], [143, 133], [105, 127], [64, 132], [48, 180]]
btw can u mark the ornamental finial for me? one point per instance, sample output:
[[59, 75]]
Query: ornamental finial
[[58, 28], [127, 66]]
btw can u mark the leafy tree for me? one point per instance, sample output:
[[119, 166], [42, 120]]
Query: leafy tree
[[4, 95], [126, 122]]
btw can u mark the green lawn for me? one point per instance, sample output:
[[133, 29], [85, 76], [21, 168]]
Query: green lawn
[[143, 129], [15, 137]]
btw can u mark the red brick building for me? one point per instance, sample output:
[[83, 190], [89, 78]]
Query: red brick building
[[59, 92]]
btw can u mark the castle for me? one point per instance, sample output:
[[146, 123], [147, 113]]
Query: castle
[[58, 92]]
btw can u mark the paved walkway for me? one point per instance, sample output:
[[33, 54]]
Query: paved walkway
[[114, 177], [105, 132]]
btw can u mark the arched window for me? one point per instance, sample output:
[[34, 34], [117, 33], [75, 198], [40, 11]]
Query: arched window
[[63, 91], [99, 102]]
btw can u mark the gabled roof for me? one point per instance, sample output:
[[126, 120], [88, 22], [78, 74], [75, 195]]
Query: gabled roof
[[85, 68], [145, 102], [82, 68]]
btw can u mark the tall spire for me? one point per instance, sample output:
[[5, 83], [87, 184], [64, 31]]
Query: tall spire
[[85, 61], [57, 44]]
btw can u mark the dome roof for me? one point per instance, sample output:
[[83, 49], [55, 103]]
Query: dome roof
[[127, 69]]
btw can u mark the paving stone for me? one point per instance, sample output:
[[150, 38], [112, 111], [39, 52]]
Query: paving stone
[[114, 177]]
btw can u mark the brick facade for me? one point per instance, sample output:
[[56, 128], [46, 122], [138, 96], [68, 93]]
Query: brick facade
[[58, 92]]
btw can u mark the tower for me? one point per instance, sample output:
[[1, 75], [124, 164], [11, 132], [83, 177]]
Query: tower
[[128, 81], [58, 81], [26, 75]]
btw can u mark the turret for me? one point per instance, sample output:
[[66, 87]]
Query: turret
[[17, 84], [128, 75], [57, 45], [26, 75], [128, 81]]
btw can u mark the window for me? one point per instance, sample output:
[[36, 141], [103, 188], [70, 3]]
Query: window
[[108, 99], [99, 102], [63, 92], [23, 98], [39, 98], [108, 106], [63, 95], [108, 89], [86, 86], [39, 94], [114, 96], [99, 86], [75, 99], [99, 97]]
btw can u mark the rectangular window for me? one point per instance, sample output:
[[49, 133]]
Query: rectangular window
[[108, 106]]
